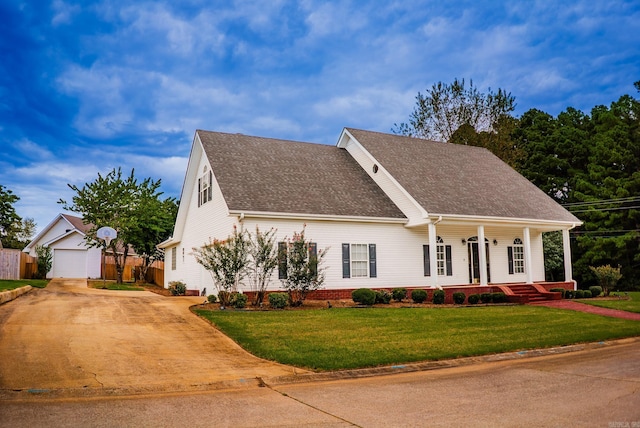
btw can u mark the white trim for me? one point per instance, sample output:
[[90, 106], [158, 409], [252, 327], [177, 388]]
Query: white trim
[[566, 247], [381, 169], [433, 261], [528, 267], [303, 216], [493, 221], [482, 257]]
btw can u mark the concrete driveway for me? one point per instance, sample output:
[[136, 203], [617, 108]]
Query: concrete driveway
[[70, 340]]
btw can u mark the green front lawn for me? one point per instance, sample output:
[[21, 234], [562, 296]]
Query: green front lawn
[[10, 284], [343, 338], [632, 304]]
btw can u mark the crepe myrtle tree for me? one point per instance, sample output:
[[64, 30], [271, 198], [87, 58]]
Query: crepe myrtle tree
[[263, 260], [304, 269], [227, 261]]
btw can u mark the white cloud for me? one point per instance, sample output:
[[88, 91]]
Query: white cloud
[[63, 12]]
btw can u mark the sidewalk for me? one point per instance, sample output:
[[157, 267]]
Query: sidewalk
[[583, 307]]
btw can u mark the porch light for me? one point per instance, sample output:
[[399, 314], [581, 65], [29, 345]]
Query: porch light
[[464, 241], [495, 242]]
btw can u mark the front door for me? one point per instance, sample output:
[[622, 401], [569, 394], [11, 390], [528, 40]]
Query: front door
[[474, 260]]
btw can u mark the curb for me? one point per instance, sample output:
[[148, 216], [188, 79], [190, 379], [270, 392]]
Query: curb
[[31, 394], [7, 296], [442, 364]]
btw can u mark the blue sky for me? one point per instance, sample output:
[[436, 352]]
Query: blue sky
[[89, 86]]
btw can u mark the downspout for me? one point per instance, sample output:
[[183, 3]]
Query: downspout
[[575, 283]]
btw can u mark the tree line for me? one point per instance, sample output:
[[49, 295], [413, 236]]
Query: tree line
[[589, 163]]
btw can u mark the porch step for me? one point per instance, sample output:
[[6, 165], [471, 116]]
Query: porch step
[[531, 293]]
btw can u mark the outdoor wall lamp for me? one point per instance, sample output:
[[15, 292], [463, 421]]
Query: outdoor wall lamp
[[464, 241], [495, 242]]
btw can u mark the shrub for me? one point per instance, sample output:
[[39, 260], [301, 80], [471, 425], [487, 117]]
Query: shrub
[[44, 261], [239, 300], [607, 277], [418, 296], [177, 288], [569, 294], [364, 296], [587, 294], [558, 290], [278, 300], [499, 297], [596, 290], [459, 298], [438, 297], [579, 294], [399, 294], [212, 298], [383, 296], [473, 299], [486, 297]]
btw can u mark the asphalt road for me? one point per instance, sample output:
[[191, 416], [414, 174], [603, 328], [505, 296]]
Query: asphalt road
[[158, 373]]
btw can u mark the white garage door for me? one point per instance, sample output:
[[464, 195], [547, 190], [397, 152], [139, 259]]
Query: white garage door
[[69, 264]]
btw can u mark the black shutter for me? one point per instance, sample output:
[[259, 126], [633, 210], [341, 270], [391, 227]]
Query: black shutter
[[282, 260], [199, 189], [426, 260], [346, 261], [313, 258], [373, 270], [449, 265], [510, 255]]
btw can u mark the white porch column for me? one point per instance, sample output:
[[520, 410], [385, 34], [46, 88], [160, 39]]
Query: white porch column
[[566, 246], [528, 269], [482, 256], [433, 252]]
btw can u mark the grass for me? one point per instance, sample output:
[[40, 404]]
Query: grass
[[10, 284], [631, 305], [351, 338], [111, 285]]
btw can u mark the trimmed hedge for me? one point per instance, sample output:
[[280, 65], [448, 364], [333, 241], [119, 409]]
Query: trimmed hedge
[[364, 296], [278, 300], [399, 294], [499, 297], [459, 298], [587, 294], [239, 300], [418, 296], [579, 294], [473, 299], [383, 296], [212, 298], [486, 297], [569, 294], [558, 290], [438, 297], [596, 290]]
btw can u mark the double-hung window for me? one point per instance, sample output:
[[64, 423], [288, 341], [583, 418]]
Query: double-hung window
[[444, 264], [516, 257], [205, 191], [359, 261]]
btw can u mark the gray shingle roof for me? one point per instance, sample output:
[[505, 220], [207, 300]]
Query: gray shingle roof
[[78, 223], [460, 180], [270, 175]]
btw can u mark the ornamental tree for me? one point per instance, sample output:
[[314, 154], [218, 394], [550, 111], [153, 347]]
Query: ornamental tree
[[226, 261], [304, 268]]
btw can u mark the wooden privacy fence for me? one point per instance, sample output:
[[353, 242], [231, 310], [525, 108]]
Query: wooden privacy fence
[[155, 274], [14, 264]]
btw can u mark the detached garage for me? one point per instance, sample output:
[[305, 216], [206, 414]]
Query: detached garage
[[72, 258]]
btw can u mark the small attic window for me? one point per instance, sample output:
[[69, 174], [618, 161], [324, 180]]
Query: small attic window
[[375, 169]]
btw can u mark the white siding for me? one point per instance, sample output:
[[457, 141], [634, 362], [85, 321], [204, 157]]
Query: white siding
[[202, 224]]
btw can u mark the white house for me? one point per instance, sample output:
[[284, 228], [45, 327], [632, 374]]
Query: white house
[[394, 211], [72, 258]]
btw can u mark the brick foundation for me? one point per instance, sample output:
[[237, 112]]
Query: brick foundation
[[345, 293]]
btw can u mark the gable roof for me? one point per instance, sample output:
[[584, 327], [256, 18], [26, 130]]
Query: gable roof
[[257, 174], [75, 224], [459, 180]]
